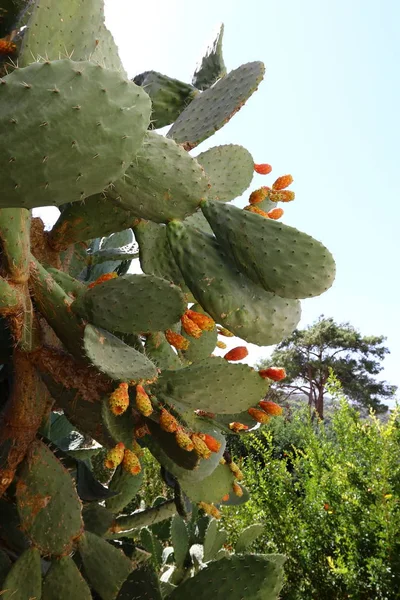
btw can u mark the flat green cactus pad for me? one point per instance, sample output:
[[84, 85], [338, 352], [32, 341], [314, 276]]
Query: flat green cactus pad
[[280, 258], [126, 486], [232, 299], [131, 304], [64, 581], [198, 220], [169, 97], [163, 182], [214, 539], [68, 130], [230, 169], [161, 352], [213, 385], [211, 66], [180, 540], [106, 567], [24, 580], [212, 109], [248, 536], [71, 286], [142, 583], [210, 489], [69, 27], [118, 360], [48, 505], [236, 577]]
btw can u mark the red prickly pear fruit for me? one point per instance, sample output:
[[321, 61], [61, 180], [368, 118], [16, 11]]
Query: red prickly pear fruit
[[236, 426], [275, 213], [221, 345], [200, 446], [237, 489], [283, 196], [190, 327], [183, 440], [141, 430], [271, 408], [259, 195], [168, 422], [114, 456], [258, 415], [274, 373], [257, 211], [282, 182], [119, 399], [262, 169], [210, 441], [131, 463], [176, 340], [205, 322], [102, 279], [7, 47], [225, 498], [236, 471], [143, 402], [210, 509], [237, 353]]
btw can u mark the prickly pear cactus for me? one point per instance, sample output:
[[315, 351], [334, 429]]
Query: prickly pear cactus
[[101, 364]]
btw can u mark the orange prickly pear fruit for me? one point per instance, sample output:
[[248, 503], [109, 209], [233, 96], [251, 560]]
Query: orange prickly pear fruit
[[204, 413], [274, 373], [7, 47], [271, 408], [141, 430], [131, 463], [168, 422], [259, 415], [225, 332], [225, 498], [143, 402], [282, 182], [114, 456], [263, 169], [102, 279], [119, 399], [205, 322], [275, 213], [183, 440], [221, 345], [176, 340], [259, 195], [237, 353], [282, 196], [200, 446], [190, 326], [257, 211], [236, 471], [210, 509], [211, 443], [235, 426], [237, 489]]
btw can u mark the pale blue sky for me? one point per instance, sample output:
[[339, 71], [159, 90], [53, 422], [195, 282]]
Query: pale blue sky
[[327, 112]]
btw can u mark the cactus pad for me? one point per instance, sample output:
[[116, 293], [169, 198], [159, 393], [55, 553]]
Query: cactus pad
[[210, 489], [24, 580], [212, 109], [161, 352], [131, 304], [48, 505], [230, 169], [279, 258], [180, 540], [211, 66], [231, 299], [162, 183], [214, 539], [68, 130], [126, 486], [252, 577], [118, 360], [64, 581], [248, 536]]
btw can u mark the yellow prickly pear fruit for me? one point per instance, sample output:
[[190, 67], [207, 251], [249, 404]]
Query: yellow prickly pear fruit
[[258, 415], [282, 182], [222, 461], [183, 440], [119, 399], [190, 326], [210, 509], [221, 345], [237, 489], [131, 463], [176, 340], [114, 456], [143, 402], [259, 195], [102, 279], [225, 332], [200, 446], [282, 196], [168, 422], [205, 322], [236, 471]]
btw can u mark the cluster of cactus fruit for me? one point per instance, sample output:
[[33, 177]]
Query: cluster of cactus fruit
[[95, 357]]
